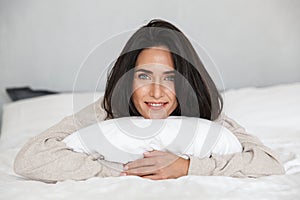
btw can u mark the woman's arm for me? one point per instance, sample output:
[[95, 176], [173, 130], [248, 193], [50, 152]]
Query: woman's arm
[[46, 158], [254, 161]]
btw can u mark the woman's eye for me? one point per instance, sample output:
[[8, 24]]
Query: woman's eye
[[170, 78], [143, 77]]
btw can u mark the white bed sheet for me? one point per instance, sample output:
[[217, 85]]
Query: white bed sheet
[[272, 114]]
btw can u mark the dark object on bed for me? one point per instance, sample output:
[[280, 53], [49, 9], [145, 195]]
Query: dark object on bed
[[18, 93]]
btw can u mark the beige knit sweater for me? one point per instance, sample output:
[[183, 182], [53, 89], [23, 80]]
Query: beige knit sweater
[[46, 158]]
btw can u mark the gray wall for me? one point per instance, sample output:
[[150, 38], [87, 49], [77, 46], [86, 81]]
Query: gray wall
[[43, 43]]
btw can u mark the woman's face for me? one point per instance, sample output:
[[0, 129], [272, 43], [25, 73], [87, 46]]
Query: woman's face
[[154, 84]]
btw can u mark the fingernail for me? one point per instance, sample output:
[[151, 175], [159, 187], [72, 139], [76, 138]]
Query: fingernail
[[123, 174], [147, 152], [125, 168]]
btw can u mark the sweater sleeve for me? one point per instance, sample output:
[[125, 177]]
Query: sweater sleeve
[[255, 160], [46, 158]]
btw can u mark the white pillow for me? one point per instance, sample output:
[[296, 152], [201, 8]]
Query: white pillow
[[126, 139]]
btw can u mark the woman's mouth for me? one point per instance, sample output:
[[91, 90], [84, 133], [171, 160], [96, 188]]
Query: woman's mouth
[[156, 105]]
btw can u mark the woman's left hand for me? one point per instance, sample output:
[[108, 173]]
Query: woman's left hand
[[157, 165]]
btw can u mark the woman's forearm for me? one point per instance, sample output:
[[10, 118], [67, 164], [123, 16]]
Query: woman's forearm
[[46, 158], [254, 161]]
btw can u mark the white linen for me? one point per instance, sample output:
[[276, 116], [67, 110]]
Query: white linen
[[32, 116], [272, 114], [126, 139]]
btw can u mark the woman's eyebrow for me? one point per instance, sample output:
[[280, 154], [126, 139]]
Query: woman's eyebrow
[[143, 70], [169, 72], [150, 72]]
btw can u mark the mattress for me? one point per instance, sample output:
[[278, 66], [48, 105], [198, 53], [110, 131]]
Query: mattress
[[271, 113]]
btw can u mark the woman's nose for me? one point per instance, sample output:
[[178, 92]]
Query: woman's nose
[[156, 90]]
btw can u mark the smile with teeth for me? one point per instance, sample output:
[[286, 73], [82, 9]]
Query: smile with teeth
[[155, 105]]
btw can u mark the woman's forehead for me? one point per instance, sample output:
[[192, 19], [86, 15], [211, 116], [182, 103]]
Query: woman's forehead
[[157, 56]]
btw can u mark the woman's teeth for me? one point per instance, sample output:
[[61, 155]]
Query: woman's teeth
[[156, 104]]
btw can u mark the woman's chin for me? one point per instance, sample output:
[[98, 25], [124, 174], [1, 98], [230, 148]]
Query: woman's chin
[[158, 114]]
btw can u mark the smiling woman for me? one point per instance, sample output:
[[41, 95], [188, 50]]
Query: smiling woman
[[154, 93], [158, 74]]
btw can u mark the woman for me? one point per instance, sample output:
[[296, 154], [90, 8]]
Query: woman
[[157, 75]]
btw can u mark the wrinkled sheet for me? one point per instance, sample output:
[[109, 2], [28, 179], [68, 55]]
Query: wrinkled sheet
[[271, 113]]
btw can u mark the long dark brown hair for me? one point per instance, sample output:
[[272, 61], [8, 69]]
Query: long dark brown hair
[[196, 93]]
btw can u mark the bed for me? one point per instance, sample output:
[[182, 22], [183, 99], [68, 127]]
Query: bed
[[271, 113]]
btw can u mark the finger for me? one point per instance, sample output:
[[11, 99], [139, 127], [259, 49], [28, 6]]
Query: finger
[[149, 154], [142, 171], [139, 163], [152, 177]]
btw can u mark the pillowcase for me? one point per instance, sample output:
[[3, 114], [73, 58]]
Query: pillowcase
[[126, 139], [18, 93]]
